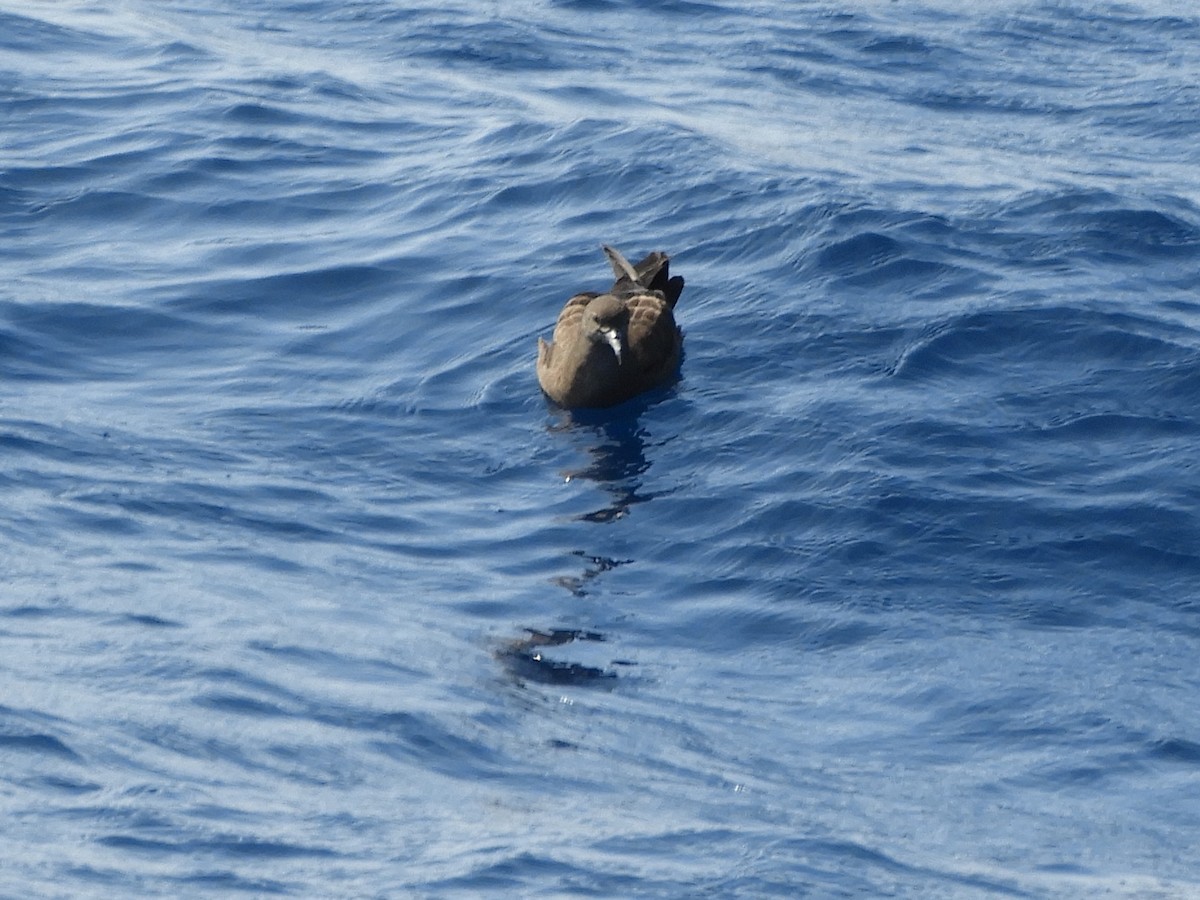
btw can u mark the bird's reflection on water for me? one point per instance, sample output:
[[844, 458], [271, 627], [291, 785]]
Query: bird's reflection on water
[[597, 565], [615, 445], [525, 661], [616, 448]]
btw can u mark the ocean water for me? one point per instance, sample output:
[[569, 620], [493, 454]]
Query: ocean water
[[306, 590]]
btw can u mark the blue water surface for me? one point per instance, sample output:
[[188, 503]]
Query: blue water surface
[[306, 590]]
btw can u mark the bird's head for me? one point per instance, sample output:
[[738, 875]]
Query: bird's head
[[604, 322]]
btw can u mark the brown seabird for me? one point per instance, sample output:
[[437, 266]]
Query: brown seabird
[[610, 347]]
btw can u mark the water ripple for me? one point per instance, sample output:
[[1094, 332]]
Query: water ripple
[[299, 564]]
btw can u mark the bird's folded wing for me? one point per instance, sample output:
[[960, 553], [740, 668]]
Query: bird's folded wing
[[652, 334]]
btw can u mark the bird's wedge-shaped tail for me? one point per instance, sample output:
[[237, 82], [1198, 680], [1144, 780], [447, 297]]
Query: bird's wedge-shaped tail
[[650, 274]]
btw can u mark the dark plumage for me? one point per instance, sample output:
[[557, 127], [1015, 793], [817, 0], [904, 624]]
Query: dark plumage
[[610, 347]]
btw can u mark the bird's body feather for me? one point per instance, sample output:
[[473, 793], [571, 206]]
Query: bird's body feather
[[581, 369]]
